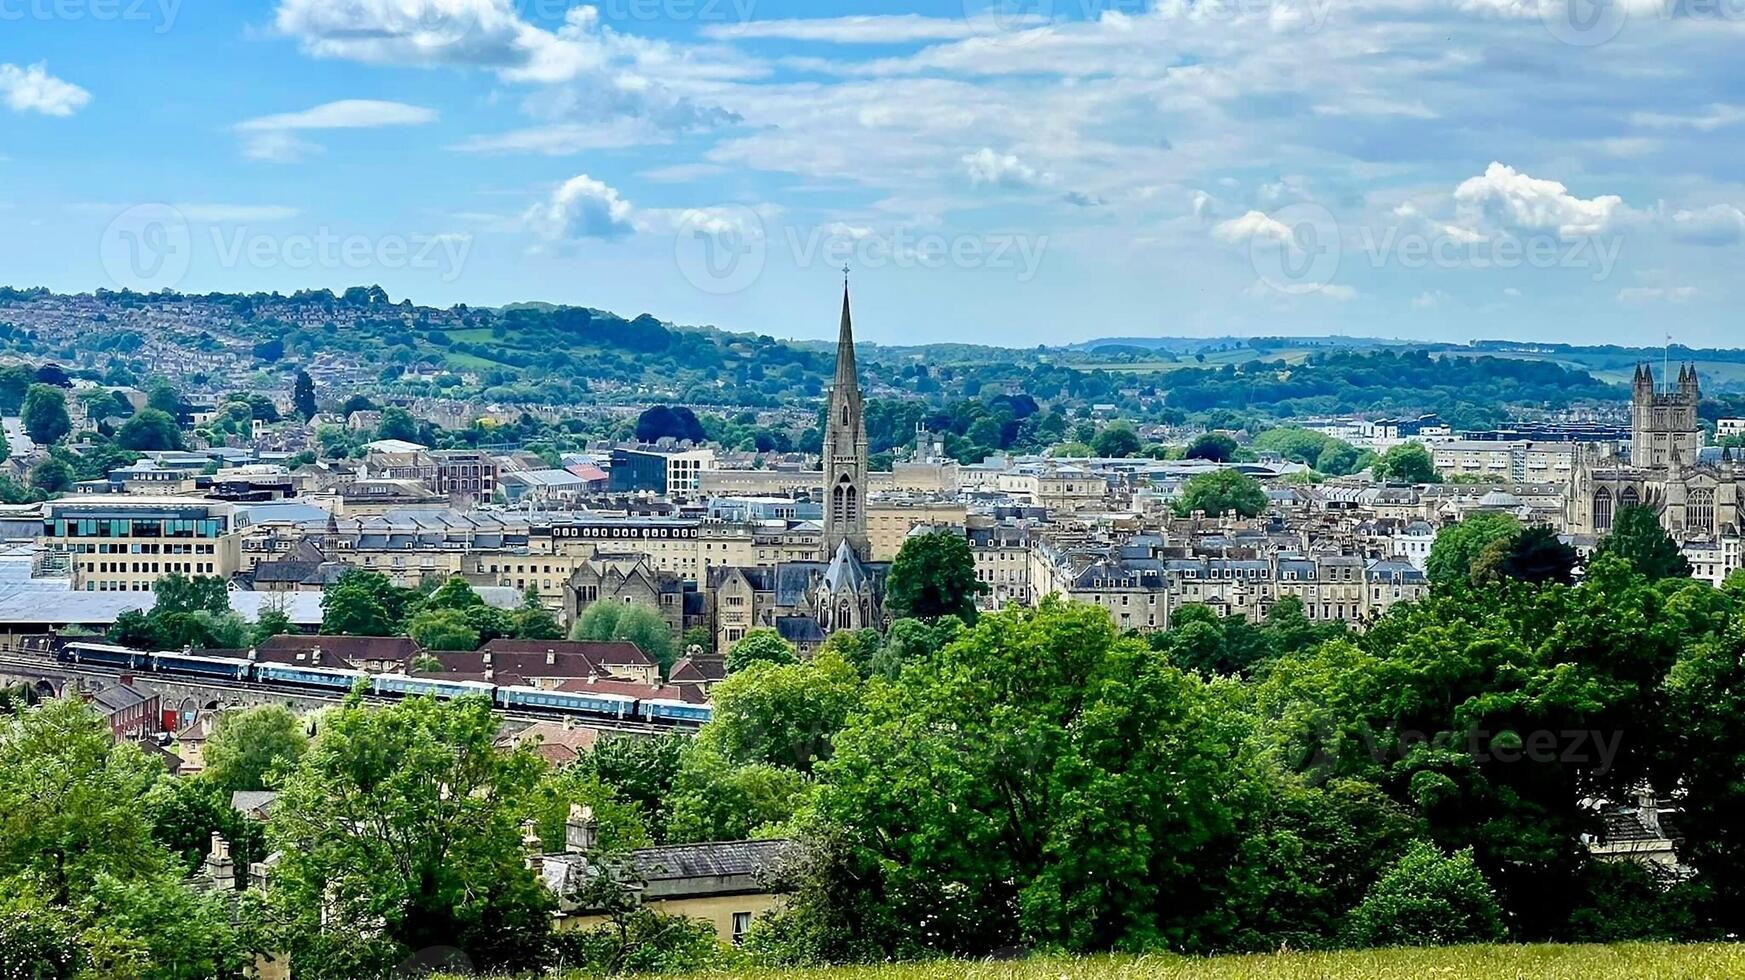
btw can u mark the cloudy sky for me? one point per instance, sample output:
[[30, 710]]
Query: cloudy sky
[[1020, 172]]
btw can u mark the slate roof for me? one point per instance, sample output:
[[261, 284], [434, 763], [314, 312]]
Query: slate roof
[[799, 630], [717, 859]]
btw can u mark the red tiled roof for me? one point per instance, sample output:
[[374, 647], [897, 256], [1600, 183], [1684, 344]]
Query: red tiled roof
[[337, 651], [616, 652]]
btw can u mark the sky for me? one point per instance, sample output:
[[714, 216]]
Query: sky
[[1013, 172]]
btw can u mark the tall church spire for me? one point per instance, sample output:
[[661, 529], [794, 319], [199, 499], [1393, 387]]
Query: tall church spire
[[847, 373], [845, 450]]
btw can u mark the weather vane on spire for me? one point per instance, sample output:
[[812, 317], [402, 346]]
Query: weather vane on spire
[[845, 273]]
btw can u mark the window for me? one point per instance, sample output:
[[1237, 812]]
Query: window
[[1603, 510], [1700, 513], [741, 926]]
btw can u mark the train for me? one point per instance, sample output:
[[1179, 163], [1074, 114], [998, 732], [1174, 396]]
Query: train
[[507, 697]]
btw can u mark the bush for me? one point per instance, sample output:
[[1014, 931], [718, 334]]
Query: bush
[[1427, 899]]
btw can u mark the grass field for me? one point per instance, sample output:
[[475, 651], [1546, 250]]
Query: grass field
[[1622, 962]]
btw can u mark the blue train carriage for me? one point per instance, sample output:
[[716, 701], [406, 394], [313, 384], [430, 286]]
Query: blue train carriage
[[404, 686], [103, 655], [198, 665], [577, 702], [659, 709], [327, 678]]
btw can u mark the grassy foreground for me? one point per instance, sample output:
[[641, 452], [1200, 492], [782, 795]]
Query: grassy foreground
[[1620, 962]]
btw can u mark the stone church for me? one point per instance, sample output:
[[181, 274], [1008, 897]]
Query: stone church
[[1695, 489], [842, 590]]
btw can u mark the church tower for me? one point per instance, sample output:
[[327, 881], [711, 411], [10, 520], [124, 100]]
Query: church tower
[[1663, 419], [845, 451]]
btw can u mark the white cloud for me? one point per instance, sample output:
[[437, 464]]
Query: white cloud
[[279, 146], [1657, 294], [1714, 116], [1430, 299], [565, 139], [33, 89], [274, 140], [1718, 224], [985, 166], [1254, 226], [582, 207], [344, 114], [860, 29], [1519, 201]]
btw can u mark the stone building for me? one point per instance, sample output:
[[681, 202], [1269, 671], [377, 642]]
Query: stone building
[[1694, 489]]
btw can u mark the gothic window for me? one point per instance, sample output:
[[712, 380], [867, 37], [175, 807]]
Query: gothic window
[[1699, 511], [838, 498], [1629, 498], [853, 507], [1603, 510], [844, 413]]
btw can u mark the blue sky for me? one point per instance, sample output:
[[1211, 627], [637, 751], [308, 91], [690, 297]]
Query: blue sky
[[1034, 171]]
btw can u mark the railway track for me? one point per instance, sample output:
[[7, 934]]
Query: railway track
[[50, 667]]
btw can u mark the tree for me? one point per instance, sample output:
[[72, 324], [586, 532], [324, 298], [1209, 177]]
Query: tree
[[270, 623], [400, 832], [783, 714], [363, 603], [934, 575], [72, 799], [150, 430], [38, 942], [1407, 462], [532, 621], [164, 398], [1537, 556], [1076, 790], [303, 395], [1427, 899], [442, 629], [248, 745], [618, 622], [178, 593], [45, 415], [1456, 548], [1215, 446], [1220, 492], [639, 769], [397, 423], [1117, 441], [52, 475], [713, 799], [15, 381], [759, 646], [1638, 538]]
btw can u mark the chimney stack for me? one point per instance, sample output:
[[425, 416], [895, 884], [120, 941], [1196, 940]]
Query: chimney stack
[[219, 865], [580, 832]]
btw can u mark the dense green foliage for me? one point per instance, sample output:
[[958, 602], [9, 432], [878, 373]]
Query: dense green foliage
[[1222, 492], [934, 575]]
